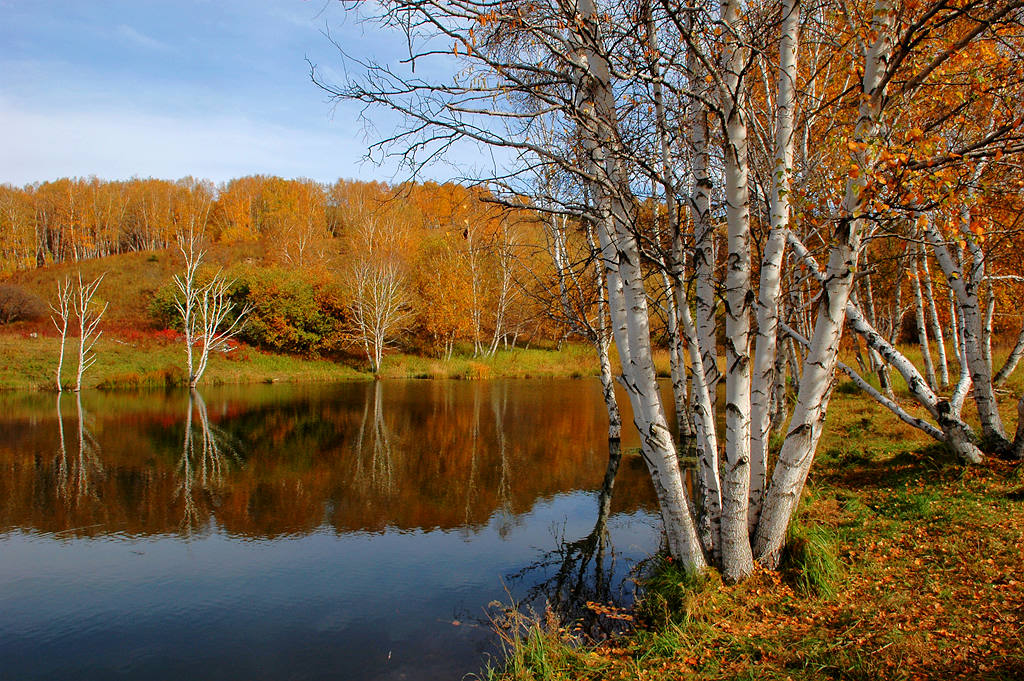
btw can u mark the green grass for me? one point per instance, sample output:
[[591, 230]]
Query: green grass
[[28, 363], [810, 555]]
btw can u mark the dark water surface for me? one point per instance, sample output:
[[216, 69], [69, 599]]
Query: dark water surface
[[353, 531]]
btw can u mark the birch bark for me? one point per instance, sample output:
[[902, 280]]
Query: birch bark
[[770, 290], [737, 559], [620, 251], [819, 367]]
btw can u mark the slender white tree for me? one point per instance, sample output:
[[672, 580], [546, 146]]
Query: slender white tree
[[208, 315], [88, 319], [61, 314], [380, 306]]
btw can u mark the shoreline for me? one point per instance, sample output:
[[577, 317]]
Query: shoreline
[[29, 363]]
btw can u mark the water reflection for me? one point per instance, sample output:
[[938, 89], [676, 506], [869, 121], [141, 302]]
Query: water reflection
[[580, 572], [75, 478], [206, 453], [336, 530]]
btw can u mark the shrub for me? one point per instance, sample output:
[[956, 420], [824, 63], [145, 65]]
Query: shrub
[[17, 304], [290, 311], [162, 310]]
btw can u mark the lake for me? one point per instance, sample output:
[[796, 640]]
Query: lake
[[345, 531]]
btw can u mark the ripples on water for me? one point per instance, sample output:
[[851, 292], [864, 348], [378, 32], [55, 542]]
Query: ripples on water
[[353, 531]]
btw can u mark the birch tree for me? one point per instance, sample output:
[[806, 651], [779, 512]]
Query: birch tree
[[209, 318], [379, 305], [598, 75], [61, 309], [88, 320]]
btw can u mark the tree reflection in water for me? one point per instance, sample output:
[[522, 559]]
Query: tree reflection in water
[[76, 479], [207, 452], [282, 460], [499, 405], [581, 572], [375, 441]]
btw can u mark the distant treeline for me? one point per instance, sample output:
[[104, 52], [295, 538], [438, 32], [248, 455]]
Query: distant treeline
[[74, 219]]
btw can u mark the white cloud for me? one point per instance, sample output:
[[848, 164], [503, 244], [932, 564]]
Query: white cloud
[[140, 39]]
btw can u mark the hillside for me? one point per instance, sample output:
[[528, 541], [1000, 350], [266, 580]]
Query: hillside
[[135, 351], [129, 280]]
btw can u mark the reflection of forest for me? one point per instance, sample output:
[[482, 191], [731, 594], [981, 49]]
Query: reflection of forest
[[360, 456]]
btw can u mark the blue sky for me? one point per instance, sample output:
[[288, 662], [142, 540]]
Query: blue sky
[[210, 88]]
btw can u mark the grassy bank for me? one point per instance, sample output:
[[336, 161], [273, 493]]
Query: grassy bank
[[902, 564], [136, 360]]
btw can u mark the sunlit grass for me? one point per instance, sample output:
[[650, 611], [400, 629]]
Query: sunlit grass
[[29, 363]]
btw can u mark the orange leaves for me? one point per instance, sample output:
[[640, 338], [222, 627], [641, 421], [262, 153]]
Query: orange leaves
[[610, 611]]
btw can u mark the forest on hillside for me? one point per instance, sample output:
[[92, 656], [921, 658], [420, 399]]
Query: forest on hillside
[[460, 268]]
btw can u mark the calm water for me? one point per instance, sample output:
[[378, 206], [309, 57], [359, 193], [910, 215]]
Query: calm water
[[354, 531]]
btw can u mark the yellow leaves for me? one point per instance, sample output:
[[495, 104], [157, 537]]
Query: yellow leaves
[[857, 147], [854, 171], [915, 134]]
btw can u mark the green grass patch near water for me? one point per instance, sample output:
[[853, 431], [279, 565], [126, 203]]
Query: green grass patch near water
[[29, 362]]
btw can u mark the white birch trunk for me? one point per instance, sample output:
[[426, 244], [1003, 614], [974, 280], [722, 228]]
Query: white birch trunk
[[819, 367], [596, 102], [922, 329], [88, 320], [62, 310], [676, 360], [1011, 361], [933, 318], [602, 341], [954, 320], [769, 292], [708, 476], [966, 286], [737, 558], [990, 313], [608, 389], [704, 252], [779, 396]]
